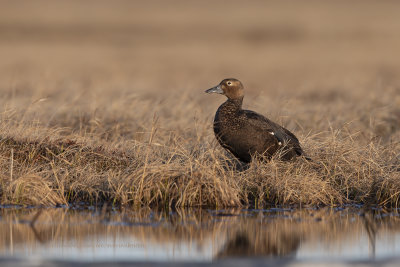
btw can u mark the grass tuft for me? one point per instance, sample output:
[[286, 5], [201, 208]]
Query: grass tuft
[[62, 170]]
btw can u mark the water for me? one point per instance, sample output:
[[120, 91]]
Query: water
[[198, 235]]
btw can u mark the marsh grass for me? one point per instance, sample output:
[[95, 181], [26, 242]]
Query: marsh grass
[[118, 115], [52, 169]]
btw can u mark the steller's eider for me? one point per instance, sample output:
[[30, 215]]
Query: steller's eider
[[246, 133]]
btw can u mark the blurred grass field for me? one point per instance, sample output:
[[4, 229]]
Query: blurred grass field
[[104, 101]]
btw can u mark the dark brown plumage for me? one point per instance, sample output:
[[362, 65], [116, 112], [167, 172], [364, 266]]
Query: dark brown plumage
[[246, 133]]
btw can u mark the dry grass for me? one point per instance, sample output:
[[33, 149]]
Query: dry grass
[[108, 106]]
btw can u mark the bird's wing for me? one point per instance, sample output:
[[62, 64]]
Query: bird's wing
[[281, 134], [262, 124]]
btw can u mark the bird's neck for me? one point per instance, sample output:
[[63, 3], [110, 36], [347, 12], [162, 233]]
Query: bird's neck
[[233, 105]]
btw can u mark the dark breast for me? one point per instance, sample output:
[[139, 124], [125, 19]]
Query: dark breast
[[245, 134]]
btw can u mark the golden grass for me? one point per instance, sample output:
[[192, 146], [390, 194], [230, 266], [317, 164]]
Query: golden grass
[[118, 114], [61, 170]]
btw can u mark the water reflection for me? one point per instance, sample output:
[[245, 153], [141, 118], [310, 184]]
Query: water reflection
[[203, 235], [241, 244]]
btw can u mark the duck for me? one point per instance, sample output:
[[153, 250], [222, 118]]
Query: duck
[[247, 134]]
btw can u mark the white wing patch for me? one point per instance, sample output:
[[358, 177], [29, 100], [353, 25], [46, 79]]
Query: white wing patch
[[272, 133]]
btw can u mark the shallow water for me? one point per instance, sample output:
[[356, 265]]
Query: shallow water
[[198, 235]]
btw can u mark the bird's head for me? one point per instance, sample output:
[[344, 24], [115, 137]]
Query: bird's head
[[231, 88]]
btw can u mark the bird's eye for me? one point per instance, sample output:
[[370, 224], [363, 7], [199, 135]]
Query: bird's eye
[[229, 83]]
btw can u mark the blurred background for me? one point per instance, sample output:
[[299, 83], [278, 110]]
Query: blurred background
[[305, 60]]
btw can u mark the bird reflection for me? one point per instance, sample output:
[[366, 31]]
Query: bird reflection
[[244, 244]]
